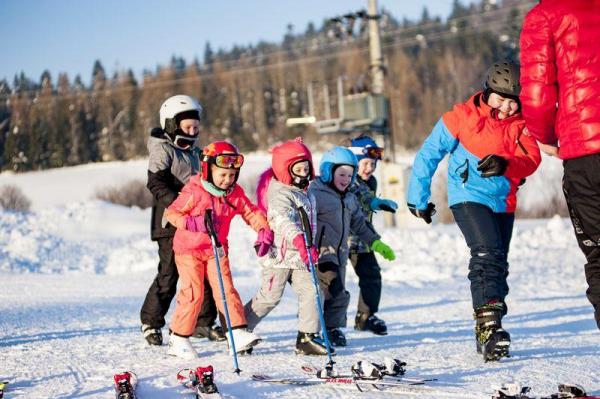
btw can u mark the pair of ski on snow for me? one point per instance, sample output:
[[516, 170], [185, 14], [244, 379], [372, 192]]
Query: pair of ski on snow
[[200, 380]]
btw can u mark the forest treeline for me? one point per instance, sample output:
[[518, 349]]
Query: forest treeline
[[248, 92]]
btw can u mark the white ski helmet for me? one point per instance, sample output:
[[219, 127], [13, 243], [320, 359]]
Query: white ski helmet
[[174, 106]]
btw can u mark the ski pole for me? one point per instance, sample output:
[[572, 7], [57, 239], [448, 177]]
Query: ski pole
[[307, 231], [216, 245]]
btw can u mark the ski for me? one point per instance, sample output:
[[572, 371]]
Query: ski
[[125, 384], [364, 385], [317, 372], [201, 381], [565, 391]]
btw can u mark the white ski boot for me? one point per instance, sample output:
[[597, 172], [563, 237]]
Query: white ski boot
[[181, 347], [243, 339]]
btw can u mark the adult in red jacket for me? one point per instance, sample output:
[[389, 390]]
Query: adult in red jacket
[[560, 79]]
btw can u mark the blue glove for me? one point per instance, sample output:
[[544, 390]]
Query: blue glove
[[381, 204]]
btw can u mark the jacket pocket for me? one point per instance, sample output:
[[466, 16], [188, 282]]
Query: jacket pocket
[[463, 171]]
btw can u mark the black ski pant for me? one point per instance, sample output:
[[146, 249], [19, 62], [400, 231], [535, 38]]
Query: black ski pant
[[336, 299], [164, 287], [581, 186], [369, 281], [488, 237]]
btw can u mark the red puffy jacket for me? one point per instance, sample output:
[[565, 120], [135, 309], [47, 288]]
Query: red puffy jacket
[[560, 75]]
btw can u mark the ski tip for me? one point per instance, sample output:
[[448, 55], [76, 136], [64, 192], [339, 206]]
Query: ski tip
[[260, 377]]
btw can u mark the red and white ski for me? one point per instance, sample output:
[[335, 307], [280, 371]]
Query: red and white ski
[[125, 384], [201, 381]]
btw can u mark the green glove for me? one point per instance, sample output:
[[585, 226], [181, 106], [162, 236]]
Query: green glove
[[383, 249]]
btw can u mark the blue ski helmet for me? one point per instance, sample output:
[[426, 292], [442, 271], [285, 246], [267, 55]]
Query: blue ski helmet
[[365, 147], [333, 157]]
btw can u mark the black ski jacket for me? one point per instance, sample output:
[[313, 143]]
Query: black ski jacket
[[169, 169]]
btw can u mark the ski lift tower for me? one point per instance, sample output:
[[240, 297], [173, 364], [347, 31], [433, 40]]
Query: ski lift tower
[[364, 112], [357, 112]]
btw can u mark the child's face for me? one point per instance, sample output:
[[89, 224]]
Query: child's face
[[222, 178], [301, 169], [191, 127], [342, 177], [366, 167], [505, 106]]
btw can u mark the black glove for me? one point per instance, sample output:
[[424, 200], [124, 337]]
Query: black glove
[[423, 214], [492, 165]]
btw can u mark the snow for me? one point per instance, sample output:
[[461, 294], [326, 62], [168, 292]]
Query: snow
[[74, 273]]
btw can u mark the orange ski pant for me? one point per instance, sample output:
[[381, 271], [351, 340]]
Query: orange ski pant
[[192, 269]]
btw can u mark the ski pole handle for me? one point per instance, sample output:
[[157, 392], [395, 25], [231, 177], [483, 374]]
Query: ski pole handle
[[210, 227], [305, 227]]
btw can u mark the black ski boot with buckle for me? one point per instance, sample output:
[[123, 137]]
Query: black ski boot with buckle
[[369, 322], [153, 336], [336, 337], [492, 340]]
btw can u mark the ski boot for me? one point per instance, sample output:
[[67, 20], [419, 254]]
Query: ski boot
[[213, 333], [491, 339], [311, 344], [370, 322], [336, 337], [181, 347], [244, 340], [152, 335], [3, 385]]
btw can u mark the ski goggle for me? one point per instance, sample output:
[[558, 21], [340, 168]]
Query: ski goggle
[[374, 152], [228, 161], [184, 142], [369, 152]]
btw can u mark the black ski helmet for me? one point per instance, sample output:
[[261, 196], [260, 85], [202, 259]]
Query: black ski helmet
[[503, 78]]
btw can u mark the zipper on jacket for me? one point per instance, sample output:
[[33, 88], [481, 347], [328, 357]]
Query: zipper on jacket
[[342, 235], [320, 241], [521, 146]]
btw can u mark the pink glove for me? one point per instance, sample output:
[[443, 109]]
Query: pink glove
[[300, 245], [263, 242], [195, 224]]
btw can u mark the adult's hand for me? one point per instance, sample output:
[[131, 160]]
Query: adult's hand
[[549, 149]]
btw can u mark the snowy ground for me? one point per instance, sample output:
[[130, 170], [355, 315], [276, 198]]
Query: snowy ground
[[74, 274]]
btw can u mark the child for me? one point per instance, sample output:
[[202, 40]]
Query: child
[[216, 189], [490, 156], [174, 158], [339, 212], [361, 256], [284, 185]]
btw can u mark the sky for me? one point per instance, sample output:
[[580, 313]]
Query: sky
[[69, 35]]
